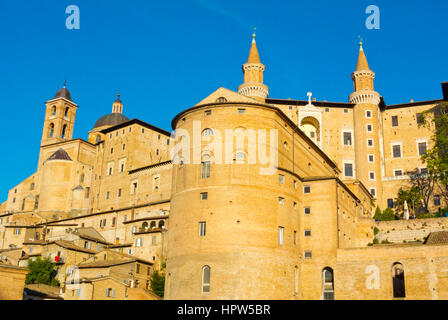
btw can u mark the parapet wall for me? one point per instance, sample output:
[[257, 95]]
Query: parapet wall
[[399, 231]]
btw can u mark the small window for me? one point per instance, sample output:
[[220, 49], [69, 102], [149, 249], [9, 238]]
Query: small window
[[205, 170], [373, 192], [371, 175], [396, 151], [398, 173], [308, 255], [424, 171], [368, 114], [437, 200], [370, 142], [307, 233], [139, 242], [345, 110], [348, 169], [369, 128], [206, 279], [307, 210], [208, 112], [111, 150], [421, 148], [202, 229], [207, 132], [394, 121], [281, 200], [281, 231], [221, 99], [241, 111], [420, 118], [327, 109], [347, 138], [119, 193], [295, 205], [390, 203], [295, 184], [281, 179], [307, 189], [371, 158], [204, 195]]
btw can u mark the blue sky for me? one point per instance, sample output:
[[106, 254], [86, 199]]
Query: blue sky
[[166, 56]]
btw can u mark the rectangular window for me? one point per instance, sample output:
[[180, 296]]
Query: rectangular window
[[119, 193], [373, 192], [281, 200], [114, 220], [281, 232], [307, 233], [134, 187], [347, 138], [370, 142], [421, 148], [371, 158], [420, 118], [368, 114], [307, 210], [369, 128], [437, 200], [398, 173], [348, 169], [202, 229], [204, 195], [241, 111], [137, 269], [139, 242], [208, 112], [396, 151], [295, 184], [205, 170], [306, 189], [308, 255], [281, 179], [295, 237], [371, 175], [107, 195], [390, 203], [424, 170], [394, 121]]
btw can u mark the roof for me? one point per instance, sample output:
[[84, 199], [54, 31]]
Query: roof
[[60, 154], [137, 121], [155, 165], [105, 263], [90, 233], [438, 237], [63, 93], [111, 119], [362, 61], [43, 290], [254, 57], [70, 246]]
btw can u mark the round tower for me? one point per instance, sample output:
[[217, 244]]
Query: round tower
[[367, 127]]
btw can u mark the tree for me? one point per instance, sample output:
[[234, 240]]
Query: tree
[[386, 215], [158, 282], [425, 183], [41, 271], [412, 196]]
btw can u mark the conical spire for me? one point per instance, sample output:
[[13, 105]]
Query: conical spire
[[362, 60], [254, 57]]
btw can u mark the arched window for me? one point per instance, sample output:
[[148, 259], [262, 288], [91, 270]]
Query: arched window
[[51, 130], [153, 225], [64, 130], [240, 156], [98, 138], [81, 178], [66, 112], [32, 186], [206, 279], [327, 284], [398, 280], [161, 224], [207, 132], [221, 99], [53, 111], [145, 225]]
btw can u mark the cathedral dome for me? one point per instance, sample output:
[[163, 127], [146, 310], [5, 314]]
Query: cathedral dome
[[111, 119], [63, 93]]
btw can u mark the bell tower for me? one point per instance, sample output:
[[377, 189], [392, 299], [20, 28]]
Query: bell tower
[[368, 135], [253, 71], [60, 116]]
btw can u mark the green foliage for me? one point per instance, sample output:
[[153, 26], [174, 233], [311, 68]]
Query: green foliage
[[376, 231], [158, 283], [385, 242], [375, 241], [41, 271], [386, 215]]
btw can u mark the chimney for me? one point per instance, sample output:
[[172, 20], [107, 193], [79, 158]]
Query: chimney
[[445, 90]]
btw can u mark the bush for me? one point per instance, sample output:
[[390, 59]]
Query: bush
[[158, 283], [42, 271], [375, 231], [386, 215]]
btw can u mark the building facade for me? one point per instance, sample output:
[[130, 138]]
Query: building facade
[[250, 197]]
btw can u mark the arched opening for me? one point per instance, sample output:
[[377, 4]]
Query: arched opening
[[206, 279], [66, 112], [53, 111], [145, 225], [221, 99], [207, 132], [64, 130], [51, 130], [398, 280], [327, 284], [153, 225], [161, 224], [310, 126]]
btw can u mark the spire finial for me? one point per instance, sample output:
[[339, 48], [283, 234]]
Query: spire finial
[[360, 41], [65, 83], [254, 34]]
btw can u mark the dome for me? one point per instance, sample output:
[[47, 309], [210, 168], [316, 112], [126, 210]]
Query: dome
[[63, 93], [111, 119]]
